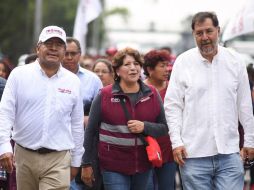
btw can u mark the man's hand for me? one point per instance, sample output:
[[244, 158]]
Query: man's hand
[[74, 172], [247, 152], [87, 175], [6, 162], [179, 154], [135, 126], [86, 120]]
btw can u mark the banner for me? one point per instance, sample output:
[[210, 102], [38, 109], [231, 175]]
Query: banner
[[241, 23], [87, 11]]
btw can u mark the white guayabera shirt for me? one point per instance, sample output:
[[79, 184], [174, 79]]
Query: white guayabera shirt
[[204, 102]]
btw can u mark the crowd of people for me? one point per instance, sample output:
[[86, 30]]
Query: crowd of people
[[73, 122]]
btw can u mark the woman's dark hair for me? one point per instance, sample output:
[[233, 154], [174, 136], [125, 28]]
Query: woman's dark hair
[[201, 16], [118, 58], [153, 57], [107, 63]]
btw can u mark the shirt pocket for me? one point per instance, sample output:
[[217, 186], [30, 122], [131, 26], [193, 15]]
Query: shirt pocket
[[64, 103]]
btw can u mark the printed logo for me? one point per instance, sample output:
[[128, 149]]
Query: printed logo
[[52, 31], [62, 90], [115, 100]]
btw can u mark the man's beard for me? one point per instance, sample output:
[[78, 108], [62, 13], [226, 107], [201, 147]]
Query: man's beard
[[208, 47]]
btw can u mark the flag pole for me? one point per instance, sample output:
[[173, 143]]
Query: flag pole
[[37, 20]]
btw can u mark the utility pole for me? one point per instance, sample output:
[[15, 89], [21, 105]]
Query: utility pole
[[37, 20]]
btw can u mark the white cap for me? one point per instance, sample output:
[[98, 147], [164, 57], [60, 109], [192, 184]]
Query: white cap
[[52, 32]]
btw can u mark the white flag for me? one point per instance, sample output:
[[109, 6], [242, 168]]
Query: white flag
[[241, 23], [87, 11]]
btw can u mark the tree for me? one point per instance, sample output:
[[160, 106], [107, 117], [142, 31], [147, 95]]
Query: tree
[[16, 26], [17, 23], [61, 13]]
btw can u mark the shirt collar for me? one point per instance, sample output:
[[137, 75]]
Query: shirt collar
[[80, 70], [215, 58], [58, 74]]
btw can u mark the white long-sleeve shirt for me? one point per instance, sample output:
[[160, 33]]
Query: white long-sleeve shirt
[[43, 112], [204, 102]]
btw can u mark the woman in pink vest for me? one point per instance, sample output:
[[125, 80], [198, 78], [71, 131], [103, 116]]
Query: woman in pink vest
[[121, 115]]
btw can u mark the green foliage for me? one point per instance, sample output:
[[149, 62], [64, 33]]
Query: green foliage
[[61, 13], [17, 23], [16, 26]]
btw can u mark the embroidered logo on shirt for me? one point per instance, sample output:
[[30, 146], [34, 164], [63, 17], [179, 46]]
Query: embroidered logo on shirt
[[115, 100], [144, 99], [62, 90]]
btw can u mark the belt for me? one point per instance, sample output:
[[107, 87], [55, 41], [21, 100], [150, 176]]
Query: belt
[[40, 150]]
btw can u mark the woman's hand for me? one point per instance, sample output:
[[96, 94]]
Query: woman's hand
[[135, 126], [87, 175]]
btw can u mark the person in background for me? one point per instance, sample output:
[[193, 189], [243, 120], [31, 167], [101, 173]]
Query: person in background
[[208, 93], [90, 82], [157, 71], [122, 154], [31, 58], [2, 85], [172, 56], [41, 103], [8, 180], [250, 71], [5, 69], [90, 86], [87, 62], [110, 52], [104, 70], [3, 173], [172, 59]]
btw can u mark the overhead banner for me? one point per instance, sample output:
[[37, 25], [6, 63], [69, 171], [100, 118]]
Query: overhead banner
[[241, 23]]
